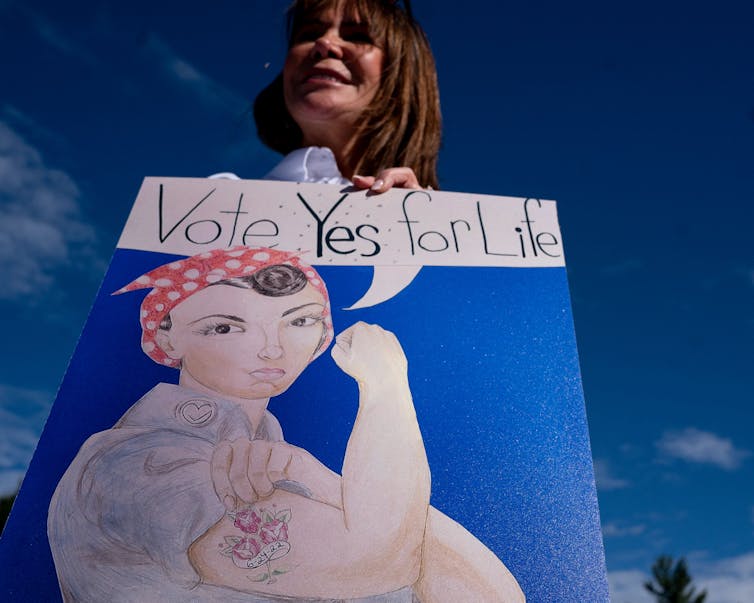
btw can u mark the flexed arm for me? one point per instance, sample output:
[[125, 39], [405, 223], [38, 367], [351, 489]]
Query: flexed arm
[[386, 444], [386, 479]]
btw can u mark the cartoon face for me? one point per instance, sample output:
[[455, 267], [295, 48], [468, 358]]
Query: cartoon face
[[332, 71], [244, 344]]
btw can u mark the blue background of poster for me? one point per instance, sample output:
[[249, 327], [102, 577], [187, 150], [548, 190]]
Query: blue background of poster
[[494, 374]]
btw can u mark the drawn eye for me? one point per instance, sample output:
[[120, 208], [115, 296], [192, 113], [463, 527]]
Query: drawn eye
[[305, 321], [220, 328]]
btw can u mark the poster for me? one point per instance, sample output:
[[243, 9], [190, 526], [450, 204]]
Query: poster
[[421, 433]]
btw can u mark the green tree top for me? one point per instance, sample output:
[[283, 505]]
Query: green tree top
[[671, 582]]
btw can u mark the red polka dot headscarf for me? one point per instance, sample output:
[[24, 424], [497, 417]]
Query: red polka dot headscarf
[[174, 282]]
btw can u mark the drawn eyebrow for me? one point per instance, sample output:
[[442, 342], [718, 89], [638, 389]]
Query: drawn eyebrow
[[297, 308], [228, 316]]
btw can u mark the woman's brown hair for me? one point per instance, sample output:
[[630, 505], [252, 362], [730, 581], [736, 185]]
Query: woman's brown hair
[[402, 125]]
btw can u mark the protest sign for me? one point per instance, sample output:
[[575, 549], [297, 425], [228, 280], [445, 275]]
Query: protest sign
[[306, 392]]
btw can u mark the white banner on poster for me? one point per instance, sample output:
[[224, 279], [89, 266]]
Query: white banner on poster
[[332, 225]]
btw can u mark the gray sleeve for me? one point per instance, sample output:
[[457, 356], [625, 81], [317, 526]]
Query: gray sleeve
[[126, 511]]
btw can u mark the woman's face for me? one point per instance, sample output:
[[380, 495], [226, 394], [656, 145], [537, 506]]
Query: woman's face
[[240, 343], [332, 72]]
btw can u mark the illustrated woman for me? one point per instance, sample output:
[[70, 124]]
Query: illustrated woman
[[194, 495]]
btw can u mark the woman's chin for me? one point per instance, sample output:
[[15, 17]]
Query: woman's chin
[[262, 390], [324, 106]]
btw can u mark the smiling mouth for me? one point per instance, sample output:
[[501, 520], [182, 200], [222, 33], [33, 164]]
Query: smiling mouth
[[325, 75], [268, 374], [323, 78]]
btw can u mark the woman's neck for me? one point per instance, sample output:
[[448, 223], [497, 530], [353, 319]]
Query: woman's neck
[[253, 409], [341, 145]]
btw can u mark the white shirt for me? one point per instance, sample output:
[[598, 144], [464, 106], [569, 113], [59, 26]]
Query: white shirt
[[309, 164]]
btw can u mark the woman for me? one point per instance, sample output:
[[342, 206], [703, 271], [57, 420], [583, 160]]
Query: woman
[[359, 80], [141, 510]]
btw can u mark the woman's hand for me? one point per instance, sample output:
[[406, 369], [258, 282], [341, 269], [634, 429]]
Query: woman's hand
[[245, 471], [371, 355], [398, 177]]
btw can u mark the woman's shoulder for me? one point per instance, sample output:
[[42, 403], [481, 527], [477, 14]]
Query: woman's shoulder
[[183, 410]]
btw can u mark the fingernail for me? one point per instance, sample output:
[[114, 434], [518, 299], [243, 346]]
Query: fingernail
[[378, 184]]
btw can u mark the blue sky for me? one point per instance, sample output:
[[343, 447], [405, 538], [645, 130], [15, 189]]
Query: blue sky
[[637, 118]]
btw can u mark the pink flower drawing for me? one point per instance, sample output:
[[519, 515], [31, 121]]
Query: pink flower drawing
[[247, 521], [273, 531], [246, 548]]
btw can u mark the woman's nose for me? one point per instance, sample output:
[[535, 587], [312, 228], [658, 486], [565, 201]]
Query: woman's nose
[[271, 348], [271, 352], [327, 46]]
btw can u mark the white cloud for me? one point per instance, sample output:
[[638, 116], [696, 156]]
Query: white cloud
[[22, 414], [728, 580], [628, 587], [605, 478], [203, 87], [56, 38], [618, 528], [160, 55], [41, 225], [10, 481], [696, 446], [20, 121]]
